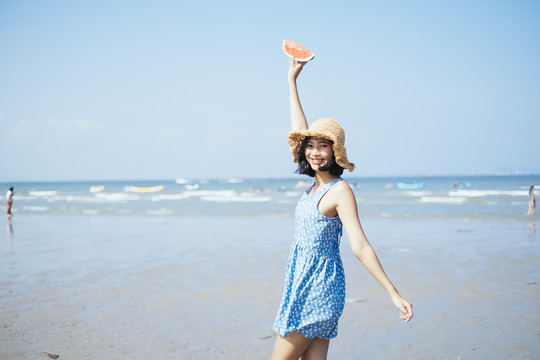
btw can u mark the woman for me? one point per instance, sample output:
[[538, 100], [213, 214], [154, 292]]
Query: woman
[[532, 201], [314, 294], [9, 201]]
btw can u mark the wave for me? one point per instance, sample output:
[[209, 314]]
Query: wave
[[117, 197], [484, 193], [169, 197], [443, 200], [35, 208], [214, 195], [417, 193], [97, 198], [42, 193], [293, 193], [162, 211], [242, 197], [489, 198]]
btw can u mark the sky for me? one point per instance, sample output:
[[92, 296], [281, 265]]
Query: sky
[[114, 90]]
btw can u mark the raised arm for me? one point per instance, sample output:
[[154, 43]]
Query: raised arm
[[298, 118]]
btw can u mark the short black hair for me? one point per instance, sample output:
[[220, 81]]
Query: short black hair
[[305, 169]]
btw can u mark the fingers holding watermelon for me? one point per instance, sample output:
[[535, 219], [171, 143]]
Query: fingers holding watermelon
[[299, 57], [295, 69]]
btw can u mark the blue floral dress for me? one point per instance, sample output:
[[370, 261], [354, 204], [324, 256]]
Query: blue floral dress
[[314, 294]]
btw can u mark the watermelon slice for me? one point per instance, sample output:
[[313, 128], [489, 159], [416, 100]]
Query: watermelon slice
[[297, 51]]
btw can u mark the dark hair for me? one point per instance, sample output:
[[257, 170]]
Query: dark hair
[[531, 190], [305, 169]]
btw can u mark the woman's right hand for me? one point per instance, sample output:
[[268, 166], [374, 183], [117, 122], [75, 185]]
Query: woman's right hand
[[295, 69]]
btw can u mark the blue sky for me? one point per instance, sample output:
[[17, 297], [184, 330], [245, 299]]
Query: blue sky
[[103, 90]]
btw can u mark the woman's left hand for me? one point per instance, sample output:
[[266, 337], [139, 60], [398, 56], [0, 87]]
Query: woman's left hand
[[404, 306]]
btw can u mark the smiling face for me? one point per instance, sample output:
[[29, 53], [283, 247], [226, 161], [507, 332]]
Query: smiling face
[[318, 152]]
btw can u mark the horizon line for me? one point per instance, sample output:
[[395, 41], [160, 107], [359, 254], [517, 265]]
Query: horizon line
[[293, 176]]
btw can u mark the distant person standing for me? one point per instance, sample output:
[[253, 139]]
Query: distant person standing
[[9, 200], [532, 201]]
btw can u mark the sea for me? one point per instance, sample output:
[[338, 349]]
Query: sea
[[470, 198]]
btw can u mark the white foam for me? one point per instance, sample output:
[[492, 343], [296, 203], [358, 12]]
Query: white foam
[[43, 193], [162, 211], [201, 193], [417, 193], [293, 193], [213, 195], [96, 198], [35, 208], [168, 197], [443, 200], [243, 197], [116, 197], [484, 193]]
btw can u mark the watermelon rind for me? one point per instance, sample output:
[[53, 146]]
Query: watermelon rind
[[297, 51]]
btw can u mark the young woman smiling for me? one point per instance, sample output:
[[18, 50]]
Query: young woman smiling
[[314, 292]]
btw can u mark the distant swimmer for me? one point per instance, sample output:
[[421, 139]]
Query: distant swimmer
[[532, 201], [9, 201]]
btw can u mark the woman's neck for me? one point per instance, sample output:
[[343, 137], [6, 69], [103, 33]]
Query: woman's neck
[[323, 178]]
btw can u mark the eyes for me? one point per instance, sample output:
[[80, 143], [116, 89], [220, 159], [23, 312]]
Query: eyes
[[322, 145]]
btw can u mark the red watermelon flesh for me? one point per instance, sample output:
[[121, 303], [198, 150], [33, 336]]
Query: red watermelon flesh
[[297, 51]]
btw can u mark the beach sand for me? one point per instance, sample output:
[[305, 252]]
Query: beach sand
[[170, 287]]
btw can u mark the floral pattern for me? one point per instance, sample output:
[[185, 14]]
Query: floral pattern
[[314, 293]]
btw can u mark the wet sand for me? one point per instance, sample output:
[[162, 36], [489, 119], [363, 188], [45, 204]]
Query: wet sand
[[208, 288]]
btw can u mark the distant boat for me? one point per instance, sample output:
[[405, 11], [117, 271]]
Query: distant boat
[[410, 186], [461, 185], [144, 189], [192, 187], [97, 188]]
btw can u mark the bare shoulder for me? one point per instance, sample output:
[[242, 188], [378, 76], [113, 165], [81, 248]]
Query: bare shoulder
[[343, 192], [345, 201], [343, 186]]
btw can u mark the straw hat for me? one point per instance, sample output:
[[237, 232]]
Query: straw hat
[[323, 128]]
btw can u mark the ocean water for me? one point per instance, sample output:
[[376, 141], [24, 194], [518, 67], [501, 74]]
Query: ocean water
[[489, 198]]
